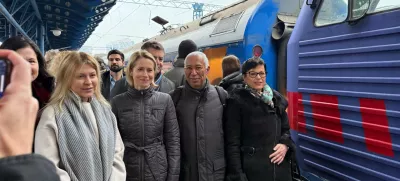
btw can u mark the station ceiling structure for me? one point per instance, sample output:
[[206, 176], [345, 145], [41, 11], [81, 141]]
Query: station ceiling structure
[[43, 20]]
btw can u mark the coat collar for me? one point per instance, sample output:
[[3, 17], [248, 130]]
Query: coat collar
[[140, 93]]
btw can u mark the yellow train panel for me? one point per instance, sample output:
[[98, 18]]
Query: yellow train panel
[[215, 56]]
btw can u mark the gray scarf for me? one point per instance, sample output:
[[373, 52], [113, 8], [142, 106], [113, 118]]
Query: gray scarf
[[80, 155]]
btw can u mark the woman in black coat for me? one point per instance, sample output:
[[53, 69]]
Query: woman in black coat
[[148, 125], [257, 136]]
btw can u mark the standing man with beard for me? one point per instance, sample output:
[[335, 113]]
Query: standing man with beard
[[164, 84], [116, 64]]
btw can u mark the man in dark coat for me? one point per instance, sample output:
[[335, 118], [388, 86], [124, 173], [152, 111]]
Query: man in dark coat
[[199, 109], [164, 84], [177, 74], [116, 72]]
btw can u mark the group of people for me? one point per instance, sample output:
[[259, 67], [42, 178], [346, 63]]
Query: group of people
[[137, 123]]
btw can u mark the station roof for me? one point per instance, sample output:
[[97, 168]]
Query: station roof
[[76, 18]]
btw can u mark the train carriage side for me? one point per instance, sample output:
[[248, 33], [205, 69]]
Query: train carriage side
[[218, 38], [343, 84], [235, 31]]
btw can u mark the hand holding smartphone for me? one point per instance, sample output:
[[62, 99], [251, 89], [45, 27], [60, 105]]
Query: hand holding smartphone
[[5, 74], [16, 129]]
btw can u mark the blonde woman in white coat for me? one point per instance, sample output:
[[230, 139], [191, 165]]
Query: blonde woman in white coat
[[77, 130]]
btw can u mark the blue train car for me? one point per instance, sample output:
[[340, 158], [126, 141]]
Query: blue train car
[[344, 89]]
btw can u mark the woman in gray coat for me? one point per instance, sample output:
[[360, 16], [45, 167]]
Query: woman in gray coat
[[148, 124]]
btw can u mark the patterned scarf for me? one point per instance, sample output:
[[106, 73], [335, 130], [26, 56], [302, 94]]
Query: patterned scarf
[[266, 95], [81, 156]]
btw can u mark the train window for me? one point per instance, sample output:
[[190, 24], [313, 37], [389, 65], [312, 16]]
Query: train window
[[331, 12], [227, 24], [383, 5]]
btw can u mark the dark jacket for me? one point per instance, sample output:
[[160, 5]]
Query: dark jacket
[[105, 85], [27, 168], [252, 130], [177, 73], [122, 86], [148, 126], [232, 81], [199, 115]]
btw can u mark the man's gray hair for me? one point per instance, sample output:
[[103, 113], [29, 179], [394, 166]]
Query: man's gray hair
[[201, 55]]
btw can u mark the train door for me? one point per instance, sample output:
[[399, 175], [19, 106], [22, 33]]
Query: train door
[[344, 89]]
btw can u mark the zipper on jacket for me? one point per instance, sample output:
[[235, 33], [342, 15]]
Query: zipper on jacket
[[142, 124]]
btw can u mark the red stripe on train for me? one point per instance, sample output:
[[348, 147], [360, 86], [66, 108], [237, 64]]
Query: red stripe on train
[[302, 118], [326, 116], [296, 112], [292, 110], [376, 126]]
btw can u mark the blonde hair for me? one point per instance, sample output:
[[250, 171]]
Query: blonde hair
[[54, 65], [132, 63], [69, 63], [49, 56]]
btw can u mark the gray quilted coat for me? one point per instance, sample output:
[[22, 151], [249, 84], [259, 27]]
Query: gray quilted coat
[[149, 128]]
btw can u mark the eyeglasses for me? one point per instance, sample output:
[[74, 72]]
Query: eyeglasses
[[254, 74]]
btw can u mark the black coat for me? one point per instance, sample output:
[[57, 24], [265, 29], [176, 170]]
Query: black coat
[[148, 126], [27, 167], [105, 85], [200, 114], [252, 130], [232, 81]]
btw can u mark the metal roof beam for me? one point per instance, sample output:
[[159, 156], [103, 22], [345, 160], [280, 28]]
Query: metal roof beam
[[17, 9], [21, 18], [31, 27], [27, 19], [8, 16], [35, 7], [13, 4]]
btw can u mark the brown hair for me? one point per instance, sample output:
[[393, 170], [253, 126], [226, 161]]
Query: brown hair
[[152, 44], [132, 63], [230, 64]]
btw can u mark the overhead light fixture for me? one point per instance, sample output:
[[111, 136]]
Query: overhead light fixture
[[57, 31]]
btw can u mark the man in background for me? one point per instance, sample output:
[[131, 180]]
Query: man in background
[[177, 73], [109, 78], [232, 78]]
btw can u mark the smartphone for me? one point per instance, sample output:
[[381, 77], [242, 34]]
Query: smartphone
[[5, 73]]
